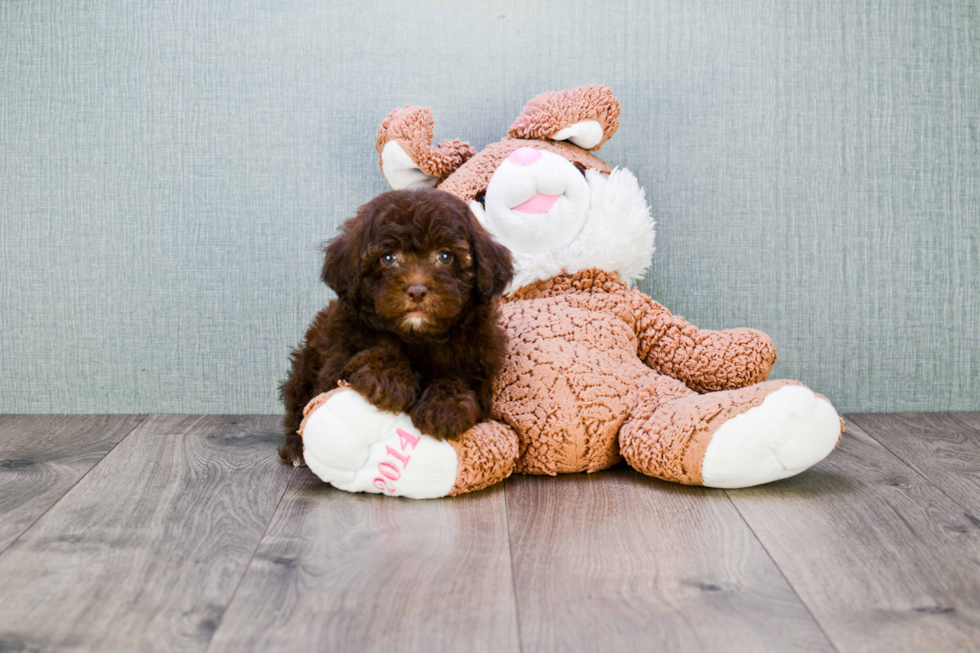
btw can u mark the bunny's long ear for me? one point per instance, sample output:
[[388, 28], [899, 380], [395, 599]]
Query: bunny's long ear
[[406, 154], [586, 116]]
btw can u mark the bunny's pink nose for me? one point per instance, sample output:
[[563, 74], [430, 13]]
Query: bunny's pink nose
[[524, 156]]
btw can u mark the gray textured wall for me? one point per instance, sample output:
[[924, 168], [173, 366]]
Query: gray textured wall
[[168, 169]]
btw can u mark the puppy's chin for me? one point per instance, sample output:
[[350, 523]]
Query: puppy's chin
[[417, 322]]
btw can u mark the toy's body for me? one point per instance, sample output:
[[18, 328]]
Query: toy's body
[[595, 371]]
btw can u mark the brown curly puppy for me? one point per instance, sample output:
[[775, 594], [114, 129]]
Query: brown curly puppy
[[414, 326]]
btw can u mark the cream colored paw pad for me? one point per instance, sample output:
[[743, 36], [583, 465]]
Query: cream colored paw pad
[[790, 431], [357, 448]]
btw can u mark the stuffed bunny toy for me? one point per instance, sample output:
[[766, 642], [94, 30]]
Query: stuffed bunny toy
[[596, 371]]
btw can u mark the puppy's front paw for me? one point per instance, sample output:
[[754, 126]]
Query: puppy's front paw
[[446, 409], [388, 385]]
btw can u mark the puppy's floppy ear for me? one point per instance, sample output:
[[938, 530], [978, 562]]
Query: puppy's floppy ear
[[491, 261], [342, 262]]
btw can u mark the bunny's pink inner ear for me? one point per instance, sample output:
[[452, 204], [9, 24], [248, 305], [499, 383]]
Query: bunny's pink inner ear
[[586, 116], [406, 154]]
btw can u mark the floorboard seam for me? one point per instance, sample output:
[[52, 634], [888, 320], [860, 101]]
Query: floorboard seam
[[911, 466], [140, 420], [250, 559], [781, 573], [513, 575]]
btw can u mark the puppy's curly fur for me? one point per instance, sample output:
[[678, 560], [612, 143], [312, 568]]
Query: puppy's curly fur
[[414, 326]]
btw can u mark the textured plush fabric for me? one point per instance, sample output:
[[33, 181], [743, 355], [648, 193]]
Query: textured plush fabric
[[704, 360], [168, 170], [670, 429], [411, 127], [549, 113], [486, 455], [574, 377]]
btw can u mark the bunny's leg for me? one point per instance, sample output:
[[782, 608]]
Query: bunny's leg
[[730, 439], [356, 447]]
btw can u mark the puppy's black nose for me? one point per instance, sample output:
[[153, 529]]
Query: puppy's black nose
[[417, 292]]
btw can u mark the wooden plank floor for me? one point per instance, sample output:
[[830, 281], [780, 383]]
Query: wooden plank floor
[[170, 533]]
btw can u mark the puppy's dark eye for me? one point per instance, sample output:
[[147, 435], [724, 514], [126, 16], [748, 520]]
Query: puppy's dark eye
[[445, 257], [388, 259]]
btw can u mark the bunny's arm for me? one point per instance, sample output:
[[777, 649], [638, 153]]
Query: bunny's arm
[[705, 361]]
